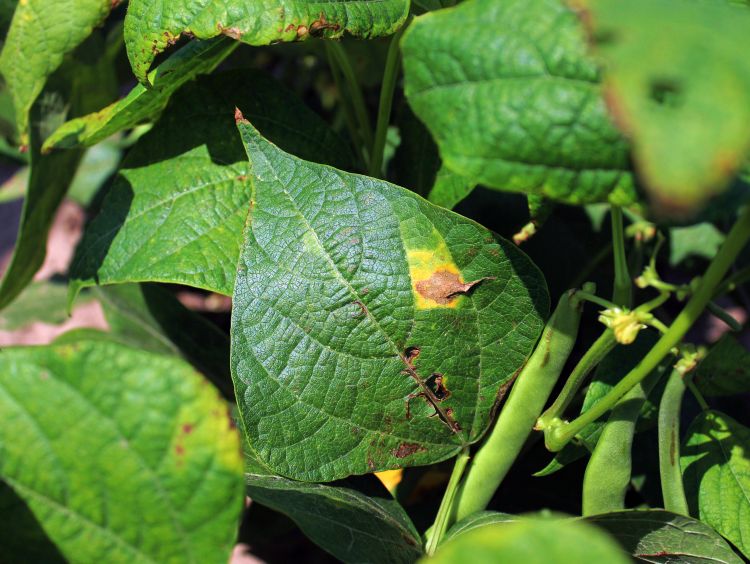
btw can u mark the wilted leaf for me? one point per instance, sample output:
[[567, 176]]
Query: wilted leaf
[[121, 455], [370, 329]]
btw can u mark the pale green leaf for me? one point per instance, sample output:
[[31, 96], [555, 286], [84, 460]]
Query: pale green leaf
[[662, 537], [514, 101], [40, 35], [141, 103], [356, 520], [354, 299], [153, 25], [531, 541], [716, 469], [122, 455], [449, 188], [701, 240], [680, 91], [176, 211], [476, 520]]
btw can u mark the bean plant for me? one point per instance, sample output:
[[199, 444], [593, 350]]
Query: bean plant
[[555, 372]]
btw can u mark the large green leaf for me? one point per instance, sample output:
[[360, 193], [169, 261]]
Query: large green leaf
[[176, 211], [354, 299], [356, 520], [153, 25], [40, 35], [141, 103], [716, 469], [514, 101], [122, 455], [478, 519], [86, 81], [726, 369], [662, 537], [680, 90], [149, 317], [532, 541]]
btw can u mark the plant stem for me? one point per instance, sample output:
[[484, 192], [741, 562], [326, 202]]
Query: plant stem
[[601, 347], [387, 88], [524, 404], [444, 514], [558, 437], [360, 109], [722, 314], [672, 489], [622, 293], [736, 279], [696, 393], [594, 299], [351, 118]]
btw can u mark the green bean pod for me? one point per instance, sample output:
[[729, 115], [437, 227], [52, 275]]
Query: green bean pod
[[672, 488], [525, 402], [608, 472]]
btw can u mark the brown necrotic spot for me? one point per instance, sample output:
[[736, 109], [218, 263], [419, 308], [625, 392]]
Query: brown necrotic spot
[[444, 286], [407, 449]]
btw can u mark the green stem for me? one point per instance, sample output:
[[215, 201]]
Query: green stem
[[736, 279], [720, 313], [672, 488], [558, 437], [444, 514], [387, 88], [697, 394], [360, 109], [601, 347], [622, 293], [524, 404], [349, 114], [594, 299]]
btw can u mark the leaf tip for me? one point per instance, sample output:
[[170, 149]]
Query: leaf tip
[[239, 118]]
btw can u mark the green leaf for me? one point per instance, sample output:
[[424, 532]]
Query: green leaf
[[356, 520], [354, 299], [153, 25], [86, 81], [532, 541], [514, 101], [149, 317], [40, 35], [701, 240], [122, 455], [716, 471], [450, 188], [176, 211], [659, 536], [726, 369], [476, 520], [97, 167], [669, 71], [40, 302], [141, 103]]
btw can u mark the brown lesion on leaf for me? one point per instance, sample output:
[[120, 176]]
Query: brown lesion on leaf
[[407, 449], [445, 286], [432, 390], [233, 32], [238, 117]]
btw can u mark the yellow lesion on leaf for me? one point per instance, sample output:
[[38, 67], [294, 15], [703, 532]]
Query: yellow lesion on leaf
[[436, 281]]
